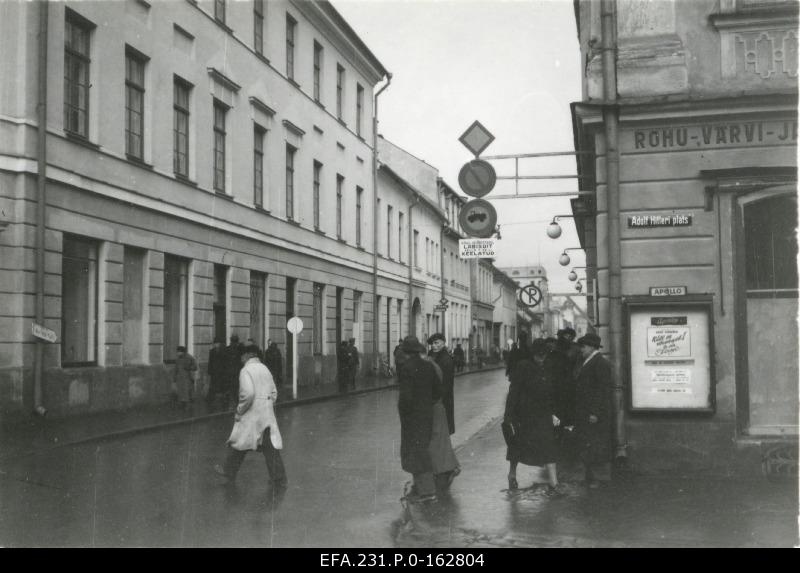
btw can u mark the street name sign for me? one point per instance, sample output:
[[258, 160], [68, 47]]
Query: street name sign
[[530, 296], [476, 138], [652, 221], [440, 308], [477, 178], [477, 248], [668, 291], [40, 331], [478, 218]]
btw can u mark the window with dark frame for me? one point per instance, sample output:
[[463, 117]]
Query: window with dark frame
[[134, 104], [258, 308], [416, 248], [339, 191], [77, 33], [290, 152], [317, 333], [317, 177], [180, 128], [219, 11], [359, 198], [258, 26], [220, 110], [400, 236], [176, 305], [79, 301], [317, 70], [389, 231], [771, 247], [291, 26], [258, 164], [359, 108], [339, 91]]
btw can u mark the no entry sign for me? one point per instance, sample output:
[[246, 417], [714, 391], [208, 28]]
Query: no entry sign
[[477, 178], [478, 218]]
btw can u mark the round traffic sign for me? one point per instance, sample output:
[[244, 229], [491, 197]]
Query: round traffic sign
[[478, 218], [294, 325], [530, 296], [477, 178]]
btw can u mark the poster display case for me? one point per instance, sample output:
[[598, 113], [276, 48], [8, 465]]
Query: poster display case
[[670, 348]]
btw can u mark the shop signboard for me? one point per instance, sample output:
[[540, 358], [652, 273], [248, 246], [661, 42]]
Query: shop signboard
[[670, 354]]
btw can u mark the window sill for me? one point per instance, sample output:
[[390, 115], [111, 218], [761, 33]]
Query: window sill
[[319, 231], [360, 248], [137, 161], [292, 222], [319, 103], [81, 140], [262, 57], [361, 137], [184, 179], [223, 195], [341, 240], [223, 25], [294, 83], [340, 120], [260, 208]]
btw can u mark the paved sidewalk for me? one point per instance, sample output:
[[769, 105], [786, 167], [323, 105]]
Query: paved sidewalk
[[36, 434]]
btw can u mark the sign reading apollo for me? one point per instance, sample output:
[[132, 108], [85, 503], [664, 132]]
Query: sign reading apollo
[[710, 135]]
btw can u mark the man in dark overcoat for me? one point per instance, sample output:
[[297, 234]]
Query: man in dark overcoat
[[593, 412], [274, 362], [416, 381], [353, 363], [442, 357], [562, 362], [233, 361], [517, 351], [217, 372], [343, 366]]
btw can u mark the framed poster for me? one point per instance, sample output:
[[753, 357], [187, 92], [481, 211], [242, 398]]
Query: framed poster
[[670, 350]]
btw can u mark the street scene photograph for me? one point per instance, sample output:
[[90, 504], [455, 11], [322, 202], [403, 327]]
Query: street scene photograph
[[399, 282]]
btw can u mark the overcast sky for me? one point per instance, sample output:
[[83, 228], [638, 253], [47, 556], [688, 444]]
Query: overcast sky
[[512, 65]]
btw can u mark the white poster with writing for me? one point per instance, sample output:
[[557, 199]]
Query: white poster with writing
[[669, 342]]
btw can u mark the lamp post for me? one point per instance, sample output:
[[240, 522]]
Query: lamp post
[[554, 229], [564, 259]]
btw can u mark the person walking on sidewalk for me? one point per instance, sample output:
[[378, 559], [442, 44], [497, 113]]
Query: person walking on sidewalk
[[593, 423], [274, 361], [353, 363], [442, 357], [183, 377], [342, 367], [217, 370], [458, 358], [233, 360], [530, 415], [416, 381], [255, 426]]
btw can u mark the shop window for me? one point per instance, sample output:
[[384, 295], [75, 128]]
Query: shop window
[[770, 228], [176, 305], [78, 301]]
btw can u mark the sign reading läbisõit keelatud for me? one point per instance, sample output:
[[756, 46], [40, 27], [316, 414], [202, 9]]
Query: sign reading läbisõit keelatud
[[659, 220]]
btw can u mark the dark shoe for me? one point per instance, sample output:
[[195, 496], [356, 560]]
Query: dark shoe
[[512, 483]]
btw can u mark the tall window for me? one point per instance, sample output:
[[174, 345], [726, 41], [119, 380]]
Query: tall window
[[359, 108], [400, 236], [258, 26], [258, 164], [220, 301], [416, 248], [219, 146], [771, 246], [318, 330], [134, 323], [134, 104], [76, 74], [359, 198], [317, 177], [291, 27], [258, 308], [339, 188], [78, 301], [290, 151], [317, 69], [389, 231], [219, 10], [180, 127], [176, 305], [427, 254], [339, 90], [357, 316]]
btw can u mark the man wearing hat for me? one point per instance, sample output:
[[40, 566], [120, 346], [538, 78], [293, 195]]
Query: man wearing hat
[[593, 423], [562, 361], [416, 381], [183, 377], [442, 357]]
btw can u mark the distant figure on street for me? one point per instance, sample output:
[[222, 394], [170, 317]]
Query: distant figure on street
[[593, 423], [274, 362], [530, 415], [521, 349], [416, 380], [480, 354], [252, 342], [184, 376], [442, 357], [217, 370], [353, 363], [343, 366], [233, 359], [459, 358], [255, 426]]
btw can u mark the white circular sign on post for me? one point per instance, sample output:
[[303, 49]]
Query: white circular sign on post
[[294, 325]]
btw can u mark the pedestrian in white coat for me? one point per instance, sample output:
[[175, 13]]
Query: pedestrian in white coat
[[255, 426]]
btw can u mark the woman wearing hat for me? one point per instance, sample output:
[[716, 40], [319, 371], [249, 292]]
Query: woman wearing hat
[[593, 406], [530, 411]]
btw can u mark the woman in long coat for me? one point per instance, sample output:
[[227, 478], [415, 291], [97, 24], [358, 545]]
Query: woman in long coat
[[530, 410]]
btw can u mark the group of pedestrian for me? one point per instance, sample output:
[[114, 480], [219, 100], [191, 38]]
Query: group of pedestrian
[[348, 362], [558, 404], [425, 406]]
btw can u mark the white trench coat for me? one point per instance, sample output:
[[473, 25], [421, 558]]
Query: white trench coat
[[256, 411]]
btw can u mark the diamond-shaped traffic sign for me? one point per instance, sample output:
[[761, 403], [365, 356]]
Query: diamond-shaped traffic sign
[[476, 138]]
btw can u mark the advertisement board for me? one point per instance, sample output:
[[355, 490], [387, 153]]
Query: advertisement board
[[670, 357]]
